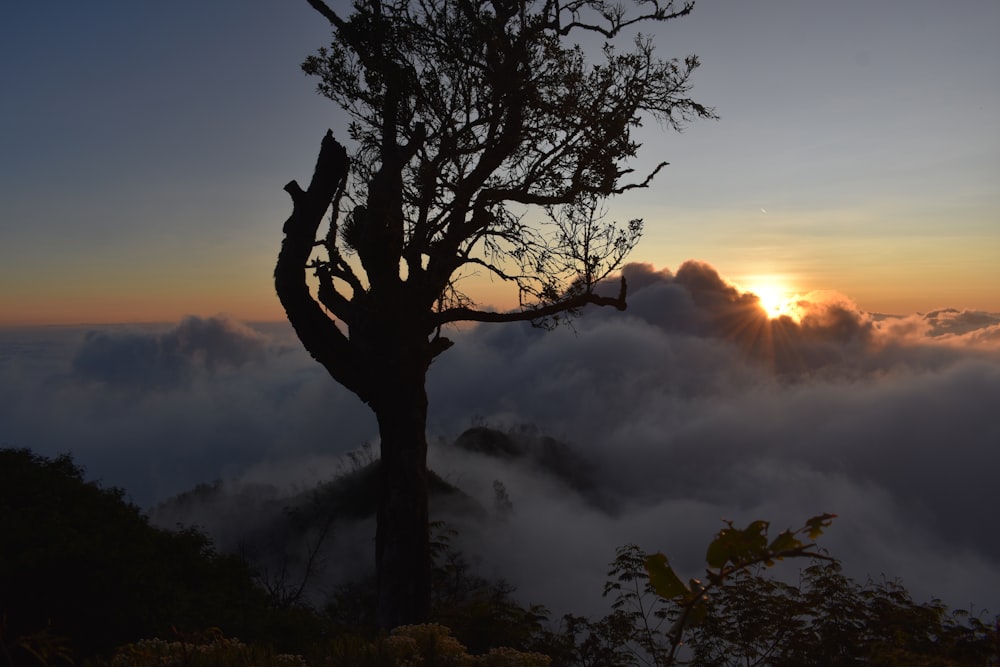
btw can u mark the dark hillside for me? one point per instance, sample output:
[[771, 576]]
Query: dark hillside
[[542, 453], [81, 564]]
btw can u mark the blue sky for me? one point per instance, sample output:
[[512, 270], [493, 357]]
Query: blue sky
[[144, 148]]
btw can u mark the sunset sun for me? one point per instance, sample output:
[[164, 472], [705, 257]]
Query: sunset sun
[[774, 300]]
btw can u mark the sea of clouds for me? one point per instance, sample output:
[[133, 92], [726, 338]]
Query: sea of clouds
[[691, 407]]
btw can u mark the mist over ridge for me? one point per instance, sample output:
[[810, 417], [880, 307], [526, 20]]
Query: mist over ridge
[[691, 406]]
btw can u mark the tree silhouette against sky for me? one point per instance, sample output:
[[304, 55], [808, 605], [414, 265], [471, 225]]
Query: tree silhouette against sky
[[483, 140]]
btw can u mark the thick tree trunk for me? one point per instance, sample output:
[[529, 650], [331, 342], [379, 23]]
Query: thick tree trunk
[[383, 358], [402, 542]]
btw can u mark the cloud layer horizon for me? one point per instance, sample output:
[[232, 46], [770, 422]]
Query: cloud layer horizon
[[693, 405]]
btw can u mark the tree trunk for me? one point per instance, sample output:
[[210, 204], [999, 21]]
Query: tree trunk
[[402, 541], [384, 360]]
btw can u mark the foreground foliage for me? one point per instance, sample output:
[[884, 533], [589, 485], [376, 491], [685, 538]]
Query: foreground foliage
[[426, 645], [738, 616], [200, 650], [82, 572], [826, 618]]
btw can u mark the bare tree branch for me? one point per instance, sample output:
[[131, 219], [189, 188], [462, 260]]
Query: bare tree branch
[[534, 314], [318, 333], [327, 13]]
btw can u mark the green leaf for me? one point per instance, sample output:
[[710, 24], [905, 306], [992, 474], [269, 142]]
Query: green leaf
[[663, 579], [816, 524], [786, 541], [737, 546], [720, 549]]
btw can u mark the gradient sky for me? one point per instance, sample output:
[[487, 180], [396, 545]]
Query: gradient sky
[[143, 148]]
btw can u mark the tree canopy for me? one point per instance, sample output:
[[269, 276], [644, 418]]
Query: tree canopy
[[483, 140]]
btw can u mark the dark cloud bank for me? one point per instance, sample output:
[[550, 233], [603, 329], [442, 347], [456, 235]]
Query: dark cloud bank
[[688, 408]]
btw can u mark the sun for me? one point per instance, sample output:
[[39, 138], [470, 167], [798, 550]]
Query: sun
[[771, 300], [774, 300]]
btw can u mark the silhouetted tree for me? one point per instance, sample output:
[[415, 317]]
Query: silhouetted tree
[[469, 120]]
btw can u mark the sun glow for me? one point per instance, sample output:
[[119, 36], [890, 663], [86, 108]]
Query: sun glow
[[775, 301]]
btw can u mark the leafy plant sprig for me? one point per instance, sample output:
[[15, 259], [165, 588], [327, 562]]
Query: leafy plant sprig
[[732, 551]]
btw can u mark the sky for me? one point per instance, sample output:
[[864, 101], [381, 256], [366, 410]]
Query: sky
[[690, 408], [144, 147]]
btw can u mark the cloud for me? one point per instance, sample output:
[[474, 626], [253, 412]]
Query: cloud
[[136, 358], [691, 406], [157, 410], [696, 301], [695, 407], [953, 322], [962, 328]]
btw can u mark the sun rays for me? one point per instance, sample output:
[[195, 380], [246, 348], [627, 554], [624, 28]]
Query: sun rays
[[765, 322]]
